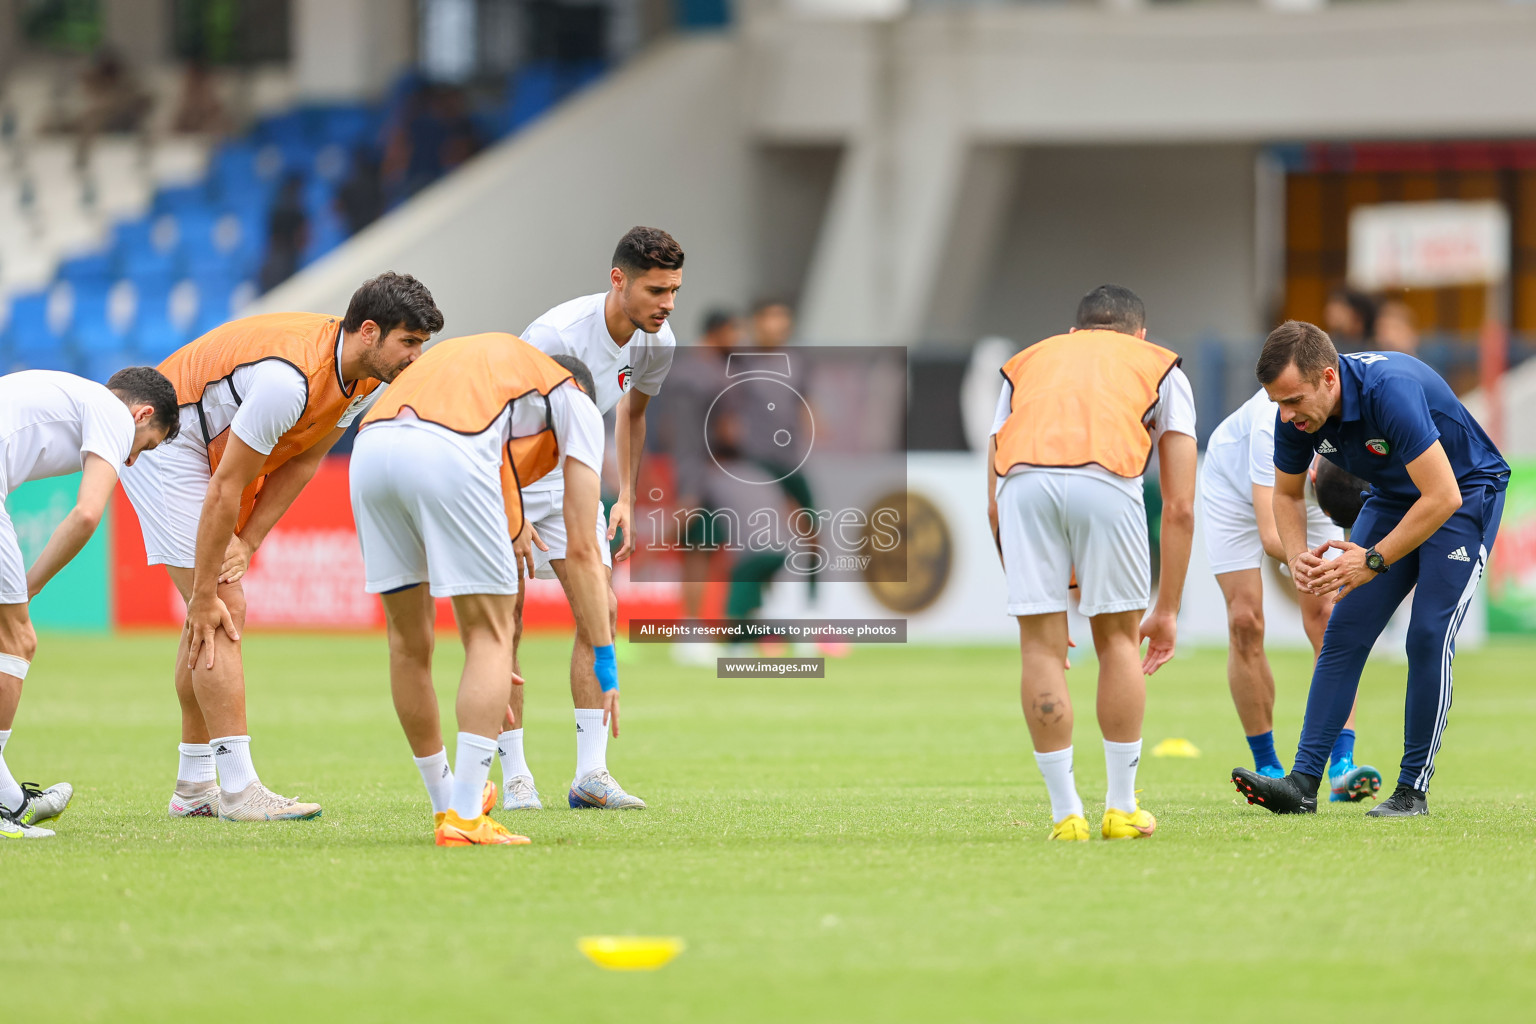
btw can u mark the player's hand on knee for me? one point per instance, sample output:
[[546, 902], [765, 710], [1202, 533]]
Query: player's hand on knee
[[237, 559], [205, 617]]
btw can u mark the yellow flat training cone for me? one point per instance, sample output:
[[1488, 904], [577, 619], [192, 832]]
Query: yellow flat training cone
[[630, 952], [1175, 748]]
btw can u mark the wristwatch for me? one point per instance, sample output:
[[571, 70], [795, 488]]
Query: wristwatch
[[1374, 561]]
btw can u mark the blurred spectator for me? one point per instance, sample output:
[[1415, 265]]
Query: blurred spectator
[[360, 199], [773, 323], [200, 111], [722, 330], [114, 102], [432, 133], [696, 380], [461, 137], [1349, 317], [287, 234], [1397, 329]]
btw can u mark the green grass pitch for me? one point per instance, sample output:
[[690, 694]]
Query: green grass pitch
[[868, 847]]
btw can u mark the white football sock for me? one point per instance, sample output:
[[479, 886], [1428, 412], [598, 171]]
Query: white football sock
[[510, 746], [591, 742], [196, 763], [11, 795], [472, 767], [1056, 766], [1120, 761], [232, 754], [438, 777]]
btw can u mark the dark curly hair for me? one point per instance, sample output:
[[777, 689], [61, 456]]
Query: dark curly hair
[[145, 385], [393, 300], [643, 249]]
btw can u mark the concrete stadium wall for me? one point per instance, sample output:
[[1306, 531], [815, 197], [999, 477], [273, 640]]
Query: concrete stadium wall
[[1175, 223], [992, 162]]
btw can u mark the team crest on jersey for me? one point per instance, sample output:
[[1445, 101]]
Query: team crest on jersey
[[1378, 446], [625, 376]]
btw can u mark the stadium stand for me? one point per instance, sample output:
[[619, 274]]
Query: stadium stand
[[120, 249]]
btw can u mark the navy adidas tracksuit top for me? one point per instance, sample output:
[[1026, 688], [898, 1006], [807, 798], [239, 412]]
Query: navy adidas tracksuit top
[[1394, 408]]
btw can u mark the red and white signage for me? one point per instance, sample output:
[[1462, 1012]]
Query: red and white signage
[[308, 574], [1428, 245]]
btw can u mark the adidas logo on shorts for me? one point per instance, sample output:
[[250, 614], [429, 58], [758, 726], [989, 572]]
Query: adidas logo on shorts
[[1327, 448], [1459, 555]]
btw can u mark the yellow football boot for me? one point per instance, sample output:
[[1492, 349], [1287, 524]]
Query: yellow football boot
[[483, 831], [487, 802], [1138, 824], [1073, 828]]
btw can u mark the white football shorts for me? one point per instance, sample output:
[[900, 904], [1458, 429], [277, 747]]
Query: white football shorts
[[427, 512], [1052, 521], [167, 486], [1231, 530], [546, 510]]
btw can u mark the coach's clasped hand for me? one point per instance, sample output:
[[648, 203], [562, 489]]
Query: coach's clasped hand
[[1346, 573]]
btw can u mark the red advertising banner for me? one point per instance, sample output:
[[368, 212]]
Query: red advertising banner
[[308, 574]]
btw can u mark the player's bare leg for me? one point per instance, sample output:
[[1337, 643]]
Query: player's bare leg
[[592, 786], [1122, 703], [1347, 781], [18, 640], [197, 787], [408, 619], [22, 805], [409, 616], [214, 699], [485, 627], [1048, 713], [1249, 677]]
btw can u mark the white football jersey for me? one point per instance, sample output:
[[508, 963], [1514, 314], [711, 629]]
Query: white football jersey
[[50, 420], [577, 328]]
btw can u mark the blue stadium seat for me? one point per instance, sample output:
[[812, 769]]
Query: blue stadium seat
[[147, 246], [198, 228], [92, 326], [347, 125], [576, 75], [91, 270], [100, 366], [217, 292], [153, 340], [238, 173], [533, 89], [181, 197], [31, 341]]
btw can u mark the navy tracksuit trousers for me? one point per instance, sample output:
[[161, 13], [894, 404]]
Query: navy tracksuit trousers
[[1446, 568]]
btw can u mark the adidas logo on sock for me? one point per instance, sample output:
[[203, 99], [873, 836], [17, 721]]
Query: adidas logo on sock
[[1459, 555], [1135, 762], [578, 727], [447, 772], [222, 750], [486, 763], [1327, 448]]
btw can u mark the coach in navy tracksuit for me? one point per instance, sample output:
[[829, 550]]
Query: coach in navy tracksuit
[[1437, 492]]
